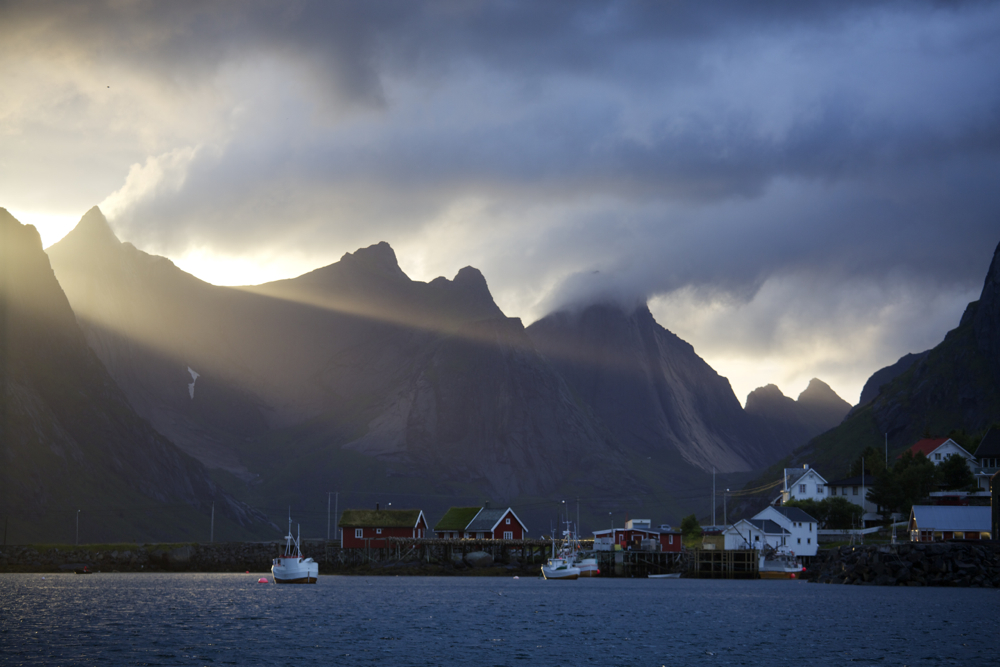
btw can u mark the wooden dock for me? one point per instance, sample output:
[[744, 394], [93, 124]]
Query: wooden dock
[[723, 564], [638, 563]]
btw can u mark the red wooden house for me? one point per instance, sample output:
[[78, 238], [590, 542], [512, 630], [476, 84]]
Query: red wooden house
[[480, 523], [370, 528], [638, 535]]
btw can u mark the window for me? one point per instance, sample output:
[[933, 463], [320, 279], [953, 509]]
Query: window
[[843, 490], [937, 457], [670, 539], [855, 490], [359, 533], [799, 541], [810, 528], [508, 521], [809, 540], [819, 489], [378, 531], [802, 488], [508, 535], [756, 538]]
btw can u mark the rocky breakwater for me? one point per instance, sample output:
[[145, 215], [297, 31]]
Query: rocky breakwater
[[971, 564], [219, 557]]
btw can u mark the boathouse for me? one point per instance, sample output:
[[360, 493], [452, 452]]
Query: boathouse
[[637, 535], [480, 523], [934, 523], [370, 528]]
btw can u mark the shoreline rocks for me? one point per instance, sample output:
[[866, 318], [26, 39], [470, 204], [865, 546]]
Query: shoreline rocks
[[967, 564]]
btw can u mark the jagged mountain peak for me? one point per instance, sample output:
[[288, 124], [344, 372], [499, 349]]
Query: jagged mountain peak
[[767, 393], [92, 230], [820, 392], [377, 258]]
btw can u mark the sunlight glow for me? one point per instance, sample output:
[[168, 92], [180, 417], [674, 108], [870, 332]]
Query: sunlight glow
[[51, 226]]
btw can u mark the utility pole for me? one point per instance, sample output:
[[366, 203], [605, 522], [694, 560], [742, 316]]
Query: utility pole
[[328, 495], [713, 496], [887, 451], [725, 518], [577, 518], [78, 526], [336, 503], [211, 535]]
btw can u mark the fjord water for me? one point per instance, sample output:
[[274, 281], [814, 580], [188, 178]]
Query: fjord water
[[188, 619]]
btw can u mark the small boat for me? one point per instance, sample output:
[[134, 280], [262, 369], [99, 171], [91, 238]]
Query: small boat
[[779, 564], [560, 568], [291, 567], [673, 575]]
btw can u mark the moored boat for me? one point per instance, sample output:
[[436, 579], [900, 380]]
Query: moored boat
[[587, 565], [779, 565], [560, 568], [291, 567]]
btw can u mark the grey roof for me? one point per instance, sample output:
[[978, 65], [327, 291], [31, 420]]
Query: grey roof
[[795, 514], [793, 475], [990, 445], [853, 481], [952, 517], [486, 519], [768, 527]]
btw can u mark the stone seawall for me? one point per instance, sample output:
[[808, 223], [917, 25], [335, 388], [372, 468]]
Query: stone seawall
[[237, 557], [219, 557], [972, 564]]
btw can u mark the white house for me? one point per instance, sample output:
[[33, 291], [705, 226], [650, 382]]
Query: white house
[[855, 490], [803, 484], [801, 527], [938, 449], [754, 534]]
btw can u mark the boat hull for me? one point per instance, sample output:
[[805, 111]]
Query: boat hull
[[295, 571], [569, 574], [776, 574]]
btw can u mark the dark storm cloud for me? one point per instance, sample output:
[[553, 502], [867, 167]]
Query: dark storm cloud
[[705, 144]]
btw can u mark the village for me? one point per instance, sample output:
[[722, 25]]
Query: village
[[482, 535]]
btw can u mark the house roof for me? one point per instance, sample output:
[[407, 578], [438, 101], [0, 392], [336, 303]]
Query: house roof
[[853, 481], [990, 445], [952, 517], [795, 514], [768, 527], [793, 475], [486, 519], [765, 526], [380, 518], [927, 445], [457, 518]]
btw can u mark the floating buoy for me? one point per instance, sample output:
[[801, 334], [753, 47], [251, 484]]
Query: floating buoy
[[517, 577], [248, 571], [263, 580]]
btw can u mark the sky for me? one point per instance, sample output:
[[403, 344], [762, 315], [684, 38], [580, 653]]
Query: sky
[[797, 189]]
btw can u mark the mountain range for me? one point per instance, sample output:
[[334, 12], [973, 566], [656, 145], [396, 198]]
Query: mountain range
[[72, 449], [354, 377]]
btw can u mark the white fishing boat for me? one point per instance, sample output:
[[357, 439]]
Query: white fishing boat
[[560, 568], [779, 564], [291, 567], [672, 575]]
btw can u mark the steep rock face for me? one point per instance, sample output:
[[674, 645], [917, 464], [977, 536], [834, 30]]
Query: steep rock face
[[986, 318], [151, 325], [650, 387], [794, 422], [429, 378], [886, 375], [68, 436]]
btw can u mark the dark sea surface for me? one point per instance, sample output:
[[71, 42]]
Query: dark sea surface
[[229, 619]]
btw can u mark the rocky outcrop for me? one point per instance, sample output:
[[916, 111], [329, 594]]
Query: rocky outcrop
[[969, 564], [884, 376]]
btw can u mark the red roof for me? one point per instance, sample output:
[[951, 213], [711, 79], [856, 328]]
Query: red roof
[[927, 446]]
